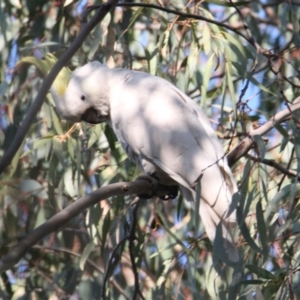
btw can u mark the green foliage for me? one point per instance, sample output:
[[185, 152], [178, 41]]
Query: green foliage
[[234, 80]]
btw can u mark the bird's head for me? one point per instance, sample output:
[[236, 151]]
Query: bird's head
[[76, 94]]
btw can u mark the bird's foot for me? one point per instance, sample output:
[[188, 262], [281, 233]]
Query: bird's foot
[[154, 183], [67, 135], [164, 192]]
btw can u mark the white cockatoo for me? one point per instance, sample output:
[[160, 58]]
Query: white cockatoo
[[161, 129]]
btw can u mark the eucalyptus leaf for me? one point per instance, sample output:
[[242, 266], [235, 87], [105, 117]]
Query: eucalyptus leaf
[[86, 253]]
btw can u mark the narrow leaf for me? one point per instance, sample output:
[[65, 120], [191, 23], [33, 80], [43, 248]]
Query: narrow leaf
[[206, 78], [245, 232], [260, 145], [86, 253], [262, 229], [260, 272]]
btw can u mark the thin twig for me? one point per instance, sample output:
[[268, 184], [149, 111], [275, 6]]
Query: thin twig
[[187, 15], [113, 282], [132, 238], [106, 277], [272, 163], [58, 290]]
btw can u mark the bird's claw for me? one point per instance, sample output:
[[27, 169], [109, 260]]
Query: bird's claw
[[164, 192], [153, 181]]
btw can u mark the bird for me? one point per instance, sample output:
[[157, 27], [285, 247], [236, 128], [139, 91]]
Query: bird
[[163, 131]]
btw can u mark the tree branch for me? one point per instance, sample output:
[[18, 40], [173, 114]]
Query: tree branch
[[110, 262], [181, 14], [63, 60], [132, 238], [187, 15], [247, 143], [61, 218], [275, 165]]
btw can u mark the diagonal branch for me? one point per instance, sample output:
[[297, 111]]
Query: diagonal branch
[[132, 238], [110, 262], [35, 107], [275, 165], [61, 218], [247, 143]]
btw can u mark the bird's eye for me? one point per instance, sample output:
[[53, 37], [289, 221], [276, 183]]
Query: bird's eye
[[82, 97]]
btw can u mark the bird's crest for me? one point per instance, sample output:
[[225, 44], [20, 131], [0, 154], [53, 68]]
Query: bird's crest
[[61, 81]]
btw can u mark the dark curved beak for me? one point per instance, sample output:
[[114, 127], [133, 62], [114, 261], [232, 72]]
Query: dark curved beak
[[92, 116]]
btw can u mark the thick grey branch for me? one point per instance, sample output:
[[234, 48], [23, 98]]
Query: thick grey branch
[[61, 218], [35, 107]]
